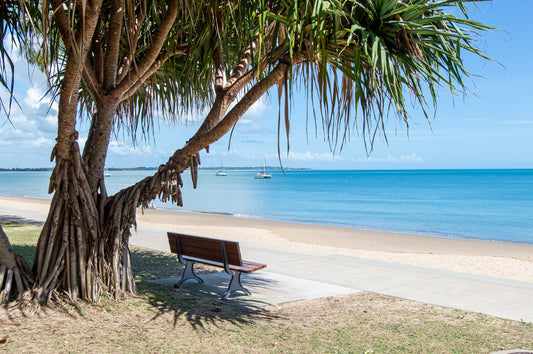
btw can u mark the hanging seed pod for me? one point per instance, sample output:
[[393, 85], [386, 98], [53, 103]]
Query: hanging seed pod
[[165, 191], [53, 154], [155, 180], [136, 195], [179, 200], [194, 170], [178, 179], [165, 176], [51, 185], [174, 193]]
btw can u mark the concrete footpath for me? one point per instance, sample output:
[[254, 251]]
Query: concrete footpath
[[293, 275]]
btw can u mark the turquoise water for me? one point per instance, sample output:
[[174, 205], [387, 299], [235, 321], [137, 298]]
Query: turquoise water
[[479, 204]]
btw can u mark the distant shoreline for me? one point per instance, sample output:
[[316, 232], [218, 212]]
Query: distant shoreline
[[277, 168], [244, 168]]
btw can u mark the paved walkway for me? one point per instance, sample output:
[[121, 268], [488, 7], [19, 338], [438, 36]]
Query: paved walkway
[[294, 275]]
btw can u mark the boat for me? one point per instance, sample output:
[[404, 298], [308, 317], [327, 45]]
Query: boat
[[263, 174], [106, 173], [221, 172]]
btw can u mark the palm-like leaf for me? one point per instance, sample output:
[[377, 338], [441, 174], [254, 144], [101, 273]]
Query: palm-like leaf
[[360, 59], [367, 55], [15, 25]]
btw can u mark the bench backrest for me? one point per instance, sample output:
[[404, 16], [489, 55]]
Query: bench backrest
[[205, 248]]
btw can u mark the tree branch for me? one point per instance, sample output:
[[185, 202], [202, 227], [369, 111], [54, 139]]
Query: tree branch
[[153, 52], [98, 56], [90, 79], [245, 62], [113, 45], [132, 32], [131, 89], [62, 22], [68, 98], [219, 68], [236, 84], [222, 102], [203, 139]]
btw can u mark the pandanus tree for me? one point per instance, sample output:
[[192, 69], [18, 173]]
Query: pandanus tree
[[121, 64]]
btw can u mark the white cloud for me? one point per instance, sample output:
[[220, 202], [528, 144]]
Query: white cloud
[[257, 109], [411, 158], [48, 124], [195, 116], [313, 156], [22, 144], [250, 127], [34, 98], [122, 149]]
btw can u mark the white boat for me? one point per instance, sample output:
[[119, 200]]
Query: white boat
[[106, 173], [263, 174], [221, 172]]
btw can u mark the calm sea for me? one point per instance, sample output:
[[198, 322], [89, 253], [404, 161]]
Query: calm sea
[[479, 204]]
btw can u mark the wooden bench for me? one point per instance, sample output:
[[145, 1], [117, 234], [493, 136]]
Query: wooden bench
[[215, 252]]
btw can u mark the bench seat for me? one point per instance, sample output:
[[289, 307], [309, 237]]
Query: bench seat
[[215, 252]]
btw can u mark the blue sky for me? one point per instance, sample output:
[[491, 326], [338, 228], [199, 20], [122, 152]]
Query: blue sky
[[490, 127]]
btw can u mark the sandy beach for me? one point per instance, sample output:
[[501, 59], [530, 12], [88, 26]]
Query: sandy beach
[[501, 260]]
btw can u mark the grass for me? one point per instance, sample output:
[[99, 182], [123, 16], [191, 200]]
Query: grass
[[167, 320], [23, 238]]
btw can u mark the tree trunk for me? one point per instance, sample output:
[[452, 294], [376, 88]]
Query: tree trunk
[[95, 151], [13, 270], [82, 251]]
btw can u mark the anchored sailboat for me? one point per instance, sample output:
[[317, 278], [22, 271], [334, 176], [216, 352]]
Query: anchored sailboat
[[263, 174], [221, 172]]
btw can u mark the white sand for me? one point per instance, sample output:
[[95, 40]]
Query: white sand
[[509, 261]]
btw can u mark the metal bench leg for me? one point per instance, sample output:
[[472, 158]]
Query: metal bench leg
[[235, 285], [188, 273]]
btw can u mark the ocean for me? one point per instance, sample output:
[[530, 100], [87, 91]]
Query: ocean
[[495, 205]]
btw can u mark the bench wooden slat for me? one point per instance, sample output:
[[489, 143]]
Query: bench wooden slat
[[247, 267], [206, 248]]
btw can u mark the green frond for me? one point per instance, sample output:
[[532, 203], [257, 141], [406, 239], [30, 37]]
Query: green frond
[[391, 50], [361, 61], [15, 26]]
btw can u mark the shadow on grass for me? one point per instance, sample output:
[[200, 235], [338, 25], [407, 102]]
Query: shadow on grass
[[26, 251], [198, 310], [15, 220], [148, 265]]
